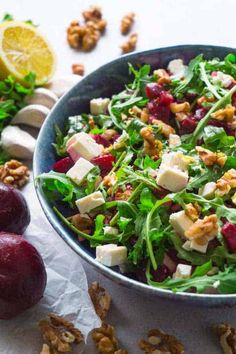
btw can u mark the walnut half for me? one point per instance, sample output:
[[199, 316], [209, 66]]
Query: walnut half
[[106, 341], [101, 299], [159, 342], [227, 335], [13, 172]]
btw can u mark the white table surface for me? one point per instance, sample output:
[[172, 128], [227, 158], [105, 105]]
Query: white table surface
[[159, 23]]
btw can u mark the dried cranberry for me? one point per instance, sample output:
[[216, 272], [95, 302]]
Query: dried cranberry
[[165, 98], [164, 114], [153, 107], [101, 140], [153, 90], [200, 113], [187, 125], [217, 123], [229, 233], [63, 165], [190, 96], [161, 273], [104, 162]]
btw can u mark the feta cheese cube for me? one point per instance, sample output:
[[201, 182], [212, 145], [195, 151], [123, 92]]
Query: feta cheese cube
[[80, 169], [172, 179], [99, 105], [90, 202], [109, 230], [175, 159], [183, 271], [180, 222], [111, 255], [177, 68], [194, 245], [174, 140], [223, 79], [83, 145], [208, 190]]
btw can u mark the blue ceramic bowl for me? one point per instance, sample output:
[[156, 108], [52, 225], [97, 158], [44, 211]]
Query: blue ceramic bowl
[[104, 82]]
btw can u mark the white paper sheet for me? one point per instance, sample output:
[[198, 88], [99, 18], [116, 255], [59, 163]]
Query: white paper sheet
[[66, 292]]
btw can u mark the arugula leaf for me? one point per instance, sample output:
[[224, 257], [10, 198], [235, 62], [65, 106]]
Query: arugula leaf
[[99, 224], [58, 183], [60, 142], [222, 255], [202, 269], [225, 282], [147, 200], [7, 17], [205, 79], [215, 138], [92, 178]]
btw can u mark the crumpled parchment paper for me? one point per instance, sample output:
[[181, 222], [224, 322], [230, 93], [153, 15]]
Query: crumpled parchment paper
[[66, 292]]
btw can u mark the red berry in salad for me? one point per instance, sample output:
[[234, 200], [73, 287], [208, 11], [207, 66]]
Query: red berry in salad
[[165, 98], [153, 90], [104, 162], [188, 125], [101, 140], [63, 165], [229, 233]]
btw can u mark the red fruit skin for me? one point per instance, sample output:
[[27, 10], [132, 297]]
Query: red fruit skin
[[23, 276], [187, 125], [229, 233], [165, 98], [63, 165], [14, 211], [153, 90], [161, 273], [101, 140], [104, 162]]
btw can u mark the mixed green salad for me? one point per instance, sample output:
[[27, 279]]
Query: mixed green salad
[[148, 177]]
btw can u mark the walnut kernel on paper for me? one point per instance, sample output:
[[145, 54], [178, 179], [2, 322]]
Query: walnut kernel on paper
[[13, 172], [106, 341], [159, 342], [227, 335], [59, 334], [127, 22], [130, 45], [101, 299]]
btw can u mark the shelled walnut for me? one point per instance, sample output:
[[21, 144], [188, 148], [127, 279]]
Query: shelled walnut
[[82, 222], [160, 342], [59, 334], [130, 45], [78, 69], [127, 22], [14, 173], [101, 299], [106, 341], [227, 335]]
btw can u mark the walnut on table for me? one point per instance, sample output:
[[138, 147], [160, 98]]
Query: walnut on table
[[13, 172], [106, 341], [159, 342], [227, 335], [101, 299], [78, 69], [127, 22], [59, 334], [130, 45], [47, 350]]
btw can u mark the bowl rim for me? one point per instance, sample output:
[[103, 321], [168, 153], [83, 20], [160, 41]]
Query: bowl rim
[[110, 273]]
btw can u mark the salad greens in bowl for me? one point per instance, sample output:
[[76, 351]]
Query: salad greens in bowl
[[136, 169]]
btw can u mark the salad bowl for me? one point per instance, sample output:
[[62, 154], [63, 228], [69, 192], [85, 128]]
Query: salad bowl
[[105, 82]]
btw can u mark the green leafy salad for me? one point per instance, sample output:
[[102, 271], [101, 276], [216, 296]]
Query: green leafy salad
[[147, 178]]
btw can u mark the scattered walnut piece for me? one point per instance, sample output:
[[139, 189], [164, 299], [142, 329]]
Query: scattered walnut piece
[[226, 113], [109, 181], [230, 177], [165, 129], [180, 107], [123, 194], [109, 134], [162, 76], [227, 335], [203, 229], [222, 188], [101, 300], [135, 111], [204, 99], [193, 211], [130, 45], [14, 173], [159, 342], [106, 341], [86, 36], [47, 350], [144, 117], [78, 69], [127, 22], [210, 158], [82, 222], [180, 116], [59, 334]]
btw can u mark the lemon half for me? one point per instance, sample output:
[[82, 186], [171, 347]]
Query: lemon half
[[22, 50]]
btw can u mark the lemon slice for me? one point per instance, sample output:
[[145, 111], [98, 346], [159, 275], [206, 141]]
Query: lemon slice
[[22, 50]]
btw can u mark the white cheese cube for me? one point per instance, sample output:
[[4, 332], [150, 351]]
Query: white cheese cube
[[197, 247], [175, 159], [174, 140], [172, 179], [109, 230], [186, 246], [83, 145], [177, 68], [90, 202], [180, 222], [80, 169], [183, 271], [111, 255], [208, 190], [223, 79], [99, 105]]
